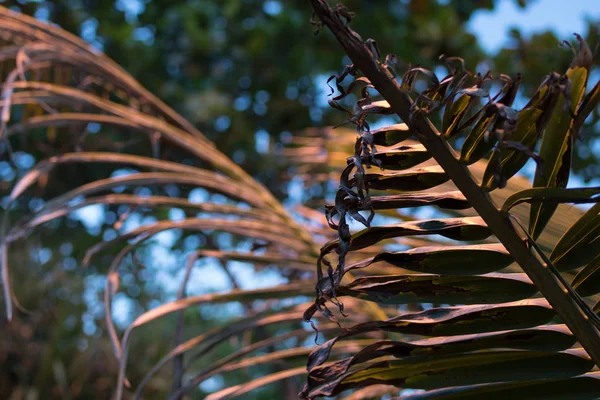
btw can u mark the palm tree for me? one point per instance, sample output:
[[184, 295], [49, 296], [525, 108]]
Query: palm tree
[[492, 316]]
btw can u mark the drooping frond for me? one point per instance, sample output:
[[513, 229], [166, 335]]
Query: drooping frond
[[55, 85]]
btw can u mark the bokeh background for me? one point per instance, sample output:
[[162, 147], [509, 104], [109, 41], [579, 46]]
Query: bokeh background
[[249, 74]]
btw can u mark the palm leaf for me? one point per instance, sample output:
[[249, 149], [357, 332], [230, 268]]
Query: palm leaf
[[514, 135], [99, 91]]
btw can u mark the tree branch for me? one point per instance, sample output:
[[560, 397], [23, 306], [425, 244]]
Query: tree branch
[[400, 102]]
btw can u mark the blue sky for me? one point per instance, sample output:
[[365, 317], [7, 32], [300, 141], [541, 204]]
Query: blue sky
[[563, 17]]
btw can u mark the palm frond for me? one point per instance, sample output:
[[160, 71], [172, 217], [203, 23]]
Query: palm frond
[[37, 97], [490, 128]]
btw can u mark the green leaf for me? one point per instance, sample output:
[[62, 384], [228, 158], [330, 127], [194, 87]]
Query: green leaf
[[587, 281], [449, 321], [543, 338], [440, 289], [427, 372], [588, 104], [530, 122], [411, 180], [468, 228], [553, 195], [582, 387], [579, 244], [447, 260], [557, 143], [454, 113], [476, 145], [400, 157], [447, 200], [455, 321]]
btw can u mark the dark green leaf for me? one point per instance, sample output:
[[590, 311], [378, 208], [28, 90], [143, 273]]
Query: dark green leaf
[[587, 281], [454, 113], [469, 228], [531, 121], [428, 372], [582, 387], [543, 338], [411, 180], [588, 104], [553, 195], [440, 289], [579, 244], [447, 260], [450, 321], [400, 157], [476, 145], [448, 200], [556, 147]]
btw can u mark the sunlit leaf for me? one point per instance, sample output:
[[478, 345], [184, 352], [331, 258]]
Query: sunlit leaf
[[557, 141], [553, 195], [391, 135], [440, 289], [454, 114]]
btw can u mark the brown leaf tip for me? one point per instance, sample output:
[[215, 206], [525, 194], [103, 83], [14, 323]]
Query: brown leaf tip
[[584, 57]]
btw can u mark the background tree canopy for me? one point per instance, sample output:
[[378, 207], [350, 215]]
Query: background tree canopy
[[250, 75]]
